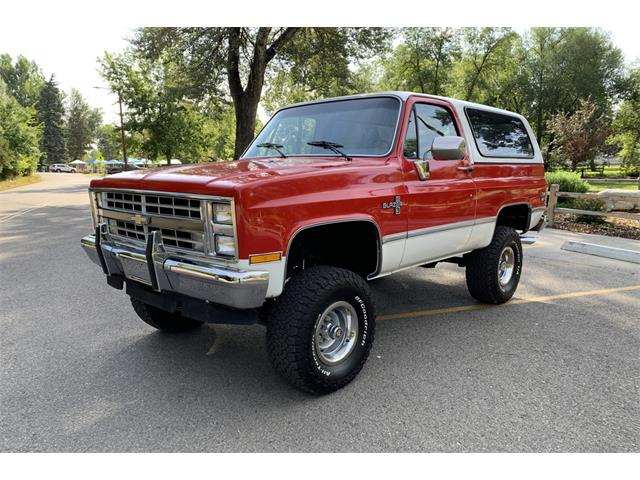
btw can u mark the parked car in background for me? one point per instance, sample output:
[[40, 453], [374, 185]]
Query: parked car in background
[[61, 167], [330, 195]]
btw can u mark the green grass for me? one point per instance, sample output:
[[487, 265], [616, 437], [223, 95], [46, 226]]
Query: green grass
[[613, 171], [607, 186], [19, 182]]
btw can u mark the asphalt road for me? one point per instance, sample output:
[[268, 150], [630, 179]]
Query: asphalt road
[[80, 372]]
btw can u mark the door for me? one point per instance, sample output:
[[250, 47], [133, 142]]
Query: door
[[441, 209]]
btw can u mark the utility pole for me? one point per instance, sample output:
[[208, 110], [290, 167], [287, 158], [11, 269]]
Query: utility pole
[[124, 146]]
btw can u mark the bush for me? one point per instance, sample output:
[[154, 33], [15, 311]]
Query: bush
[[568, 181], [587, 204]]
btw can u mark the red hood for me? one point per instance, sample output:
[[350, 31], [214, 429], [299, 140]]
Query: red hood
[[210, 178]]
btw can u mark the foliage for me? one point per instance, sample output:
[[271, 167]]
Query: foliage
[[589, 204], [167, 123], [223, 63], [81, 125], [580, 136], [23, 79], [108, 142], [50, 114], [568, 181], [18, 137], [626, 128]]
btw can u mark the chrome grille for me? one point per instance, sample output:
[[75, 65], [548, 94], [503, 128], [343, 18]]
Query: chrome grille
[[151, 204], [171, 237]]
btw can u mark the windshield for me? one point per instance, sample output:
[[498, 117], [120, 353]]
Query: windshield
[[360, 127]]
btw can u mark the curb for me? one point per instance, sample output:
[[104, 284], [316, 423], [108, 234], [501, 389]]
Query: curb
[[622, 254]]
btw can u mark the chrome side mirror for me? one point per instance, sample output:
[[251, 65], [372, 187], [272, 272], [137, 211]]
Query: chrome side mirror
[[422, 167], [448, 148]]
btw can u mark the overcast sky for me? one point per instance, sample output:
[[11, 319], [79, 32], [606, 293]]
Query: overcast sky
[[71, 54]]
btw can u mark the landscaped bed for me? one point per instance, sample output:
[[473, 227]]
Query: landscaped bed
[[612, 227]]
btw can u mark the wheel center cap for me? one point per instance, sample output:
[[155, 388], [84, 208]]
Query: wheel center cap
[[336, 332]]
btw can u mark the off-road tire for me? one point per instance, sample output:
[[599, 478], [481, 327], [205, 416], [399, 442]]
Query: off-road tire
[[163, 320], [482, 268], [292, 321]]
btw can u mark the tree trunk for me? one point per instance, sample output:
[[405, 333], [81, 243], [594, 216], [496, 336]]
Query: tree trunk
[[246, 100]]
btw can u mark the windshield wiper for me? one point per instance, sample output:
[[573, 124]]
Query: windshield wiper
[[330, 146], [274, 146]]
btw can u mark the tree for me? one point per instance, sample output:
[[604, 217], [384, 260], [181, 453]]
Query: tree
[[580, 136], [562, 66], [108, 141], [234, 62], [18, 136], [626, 127], [50, 114], [170, 124], [81, 125], [423, 62], [23, 79]]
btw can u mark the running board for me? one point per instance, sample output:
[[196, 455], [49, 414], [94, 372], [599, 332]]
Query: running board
[[528, 239]]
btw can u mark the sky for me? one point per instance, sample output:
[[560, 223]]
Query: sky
[[71, 54]]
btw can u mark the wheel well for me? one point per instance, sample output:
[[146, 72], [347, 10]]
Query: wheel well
[[352, 245], [515, 216]]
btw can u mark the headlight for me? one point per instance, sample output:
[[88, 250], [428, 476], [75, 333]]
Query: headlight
[[222, 213], [225, 245]]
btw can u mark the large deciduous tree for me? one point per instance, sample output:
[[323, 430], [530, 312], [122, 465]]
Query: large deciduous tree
[[235, 62], [51, 116], [81, 125], [23, 79], [18, 136], [626, 127]]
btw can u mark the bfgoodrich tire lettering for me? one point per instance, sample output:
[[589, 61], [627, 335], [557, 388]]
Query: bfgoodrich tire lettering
[[501, 260], [292, 341]]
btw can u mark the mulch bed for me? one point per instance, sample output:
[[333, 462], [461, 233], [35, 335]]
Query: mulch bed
[[612, 227]]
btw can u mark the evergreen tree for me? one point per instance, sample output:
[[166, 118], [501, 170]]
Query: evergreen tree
[[81, 125], [50, 114]]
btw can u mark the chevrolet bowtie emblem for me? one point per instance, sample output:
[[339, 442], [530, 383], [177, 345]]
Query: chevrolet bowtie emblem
[[140, 220], [396, 205]]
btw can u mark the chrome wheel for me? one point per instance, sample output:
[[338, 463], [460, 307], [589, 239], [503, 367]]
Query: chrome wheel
[[506, 264], [336, 333]]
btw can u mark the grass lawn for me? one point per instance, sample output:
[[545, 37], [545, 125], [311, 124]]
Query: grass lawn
[[19, 182], [606, 186]]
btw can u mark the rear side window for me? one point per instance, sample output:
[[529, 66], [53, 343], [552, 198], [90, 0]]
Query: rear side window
[[499, 135]]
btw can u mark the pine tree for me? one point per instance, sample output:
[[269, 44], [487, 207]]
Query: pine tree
[[50, 114], [81, 125]]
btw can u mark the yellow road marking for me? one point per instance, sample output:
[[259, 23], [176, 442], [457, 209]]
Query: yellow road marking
[[517, 301]]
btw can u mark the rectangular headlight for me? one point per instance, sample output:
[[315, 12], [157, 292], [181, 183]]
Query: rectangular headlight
[[225, 245], [222, 213]]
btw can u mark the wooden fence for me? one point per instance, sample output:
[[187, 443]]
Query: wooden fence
[[552, 205]]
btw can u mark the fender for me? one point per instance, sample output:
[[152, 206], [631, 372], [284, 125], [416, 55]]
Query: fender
[[336, 220]]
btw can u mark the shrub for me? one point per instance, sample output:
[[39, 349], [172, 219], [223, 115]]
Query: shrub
[[568, 181], [587, 204]]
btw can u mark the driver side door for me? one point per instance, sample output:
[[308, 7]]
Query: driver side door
[[441, 208]]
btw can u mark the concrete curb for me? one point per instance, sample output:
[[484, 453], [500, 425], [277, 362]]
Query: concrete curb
[[625, 255]]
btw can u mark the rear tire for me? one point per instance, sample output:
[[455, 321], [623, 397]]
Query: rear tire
[[163, 320], [493, 272], [320, 330]]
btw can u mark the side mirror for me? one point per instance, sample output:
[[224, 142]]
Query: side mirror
[[448, 148]]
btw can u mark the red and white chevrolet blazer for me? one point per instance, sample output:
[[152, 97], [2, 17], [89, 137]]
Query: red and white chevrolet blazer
[[329, 195]]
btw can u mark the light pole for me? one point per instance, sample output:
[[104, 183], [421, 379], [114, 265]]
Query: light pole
[[124, 145]]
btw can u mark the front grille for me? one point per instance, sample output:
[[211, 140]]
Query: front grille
[[152, 204], [171, 237]]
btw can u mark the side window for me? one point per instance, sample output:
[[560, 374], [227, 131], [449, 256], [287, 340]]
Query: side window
[[499, 135], [411, 139], [426, 123]]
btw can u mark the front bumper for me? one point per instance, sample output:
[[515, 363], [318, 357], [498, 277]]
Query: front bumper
[[165, 272]]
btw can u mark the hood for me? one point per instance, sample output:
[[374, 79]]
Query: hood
[[202, 177]]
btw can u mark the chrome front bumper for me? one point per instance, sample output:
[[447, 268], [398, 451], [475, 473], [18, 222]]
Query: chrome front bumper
[[163, 271]]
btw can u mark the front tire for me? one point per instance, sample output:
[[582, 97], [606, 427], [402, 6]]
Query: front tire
[[321, 329], [162, 320], [493, 272]]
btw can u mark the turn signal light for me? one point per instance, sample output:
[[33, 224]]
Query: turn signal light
[[265, 257]]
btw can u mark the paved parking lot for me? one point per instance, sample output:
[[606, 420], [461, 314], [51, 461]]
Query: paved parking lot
[[556, 370]]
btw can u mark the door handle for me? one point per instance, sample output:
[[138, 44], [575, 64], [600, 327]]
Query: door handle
[[468, 168]]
